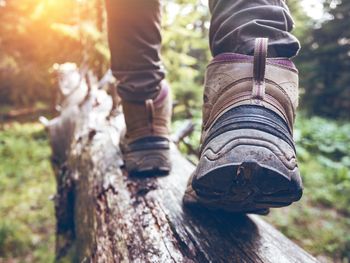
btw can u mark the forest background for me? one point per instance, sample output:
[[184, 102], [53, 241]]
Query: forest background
[[38, 35]]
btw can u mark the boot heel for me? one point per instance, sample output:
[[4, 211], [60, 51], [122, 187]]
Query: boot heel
[[148, 162], [247, 170], [248, 162]]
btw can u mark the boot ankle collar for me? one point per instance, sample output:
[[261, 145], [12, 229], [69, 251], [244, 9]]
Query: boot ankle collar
[[241, 58], [163, 94]]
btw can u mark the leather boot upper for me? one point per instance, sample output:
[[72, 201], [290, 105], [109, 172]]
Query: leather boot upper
[[150, 118], [233, 80]]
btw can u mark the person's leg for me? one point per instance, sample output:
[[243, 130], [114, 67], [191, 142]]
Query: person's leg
[[236, 24], [247, 161], [135, 40]]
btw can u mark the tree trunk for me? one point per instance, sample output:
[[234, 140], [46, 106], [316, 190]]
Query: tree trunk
[[105, 216]]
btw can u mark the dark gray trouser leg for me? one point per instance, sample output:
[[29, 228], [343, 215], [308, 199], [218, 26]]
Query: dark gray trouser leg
[[134, 37], [134, 40], [236, 23]]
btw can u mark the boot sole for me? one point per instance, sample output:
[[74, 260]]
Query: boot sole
[[252, 172], [148, 162]]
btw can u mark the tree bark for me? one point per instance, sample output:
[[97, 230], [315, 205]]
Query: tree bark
[[103, 215]]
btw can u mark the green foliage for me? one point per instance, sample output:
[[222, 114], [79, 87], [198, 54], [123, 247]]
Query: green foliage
[[320, 221], [325, 63], [303, 23], [26, 181], [36, 34], [324, 150], [186, 52]]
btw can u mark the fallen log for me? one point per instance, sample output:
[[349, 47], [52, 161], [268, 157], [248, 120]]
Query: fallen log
[[103, 215]]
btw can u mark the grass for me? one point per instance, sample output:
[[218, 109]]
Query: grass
[[27, 222]]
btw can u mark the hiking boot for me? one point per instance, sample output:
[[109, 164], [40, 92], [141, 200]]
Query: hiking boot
[[247, 158], [146, 144]]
